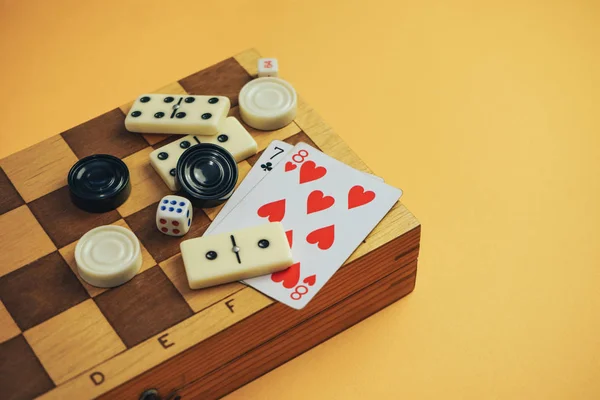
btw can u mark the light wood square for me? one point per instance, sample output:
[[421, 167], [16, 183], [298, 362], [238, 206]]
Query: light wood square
[[40, 169], [198, 299], [22, 240], [172, 88], [146, 185], [249, 61], [243, 170], [8, 328], [74, 341], [68, 254]]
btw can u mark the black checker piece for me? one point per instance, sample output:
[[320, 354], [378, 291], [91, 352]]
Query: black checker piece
[[99, 183], [207, 174]]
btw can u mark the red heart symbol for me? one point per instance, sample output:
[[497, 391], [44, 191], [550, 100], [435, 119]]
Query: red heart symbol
[[288, 234], [310, 280], [275, 211], [317, 202], [289, 277], [322, 237], [289, 166], [310, 172], [357, 196]]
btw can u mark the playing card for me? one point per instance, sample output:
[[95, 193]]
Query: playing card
[[270, 157], [327, 208]]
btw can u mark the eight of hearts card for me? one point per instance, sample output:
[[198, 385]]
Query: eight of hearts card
[[327, 209], [271, 156]]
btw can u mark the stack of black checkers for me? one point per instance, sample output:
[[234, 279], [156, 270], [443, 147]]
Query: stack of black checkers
[[99, 183], [207, 174]]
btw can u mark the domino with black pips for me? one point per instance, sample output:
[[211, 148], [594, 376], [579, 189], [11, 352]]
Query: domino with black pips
[[177, 114], [232, 136], [232, 256]]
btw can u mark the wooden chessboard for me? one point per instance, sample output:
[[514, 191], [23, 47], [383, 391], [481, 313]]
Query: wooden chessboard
[[61, 338]]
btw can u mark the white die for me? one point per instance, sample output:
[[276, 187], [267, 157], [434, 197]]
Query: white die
[[268, 67], [174, 215]]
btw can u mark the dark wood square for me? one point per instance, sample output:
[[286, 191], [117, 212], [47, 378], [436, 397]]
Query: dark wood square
[[105, 134], [223, 79], [159, 245], [21, 373], [144, 306], [40, 290], [10, 198], [293, 140], [64, 222]]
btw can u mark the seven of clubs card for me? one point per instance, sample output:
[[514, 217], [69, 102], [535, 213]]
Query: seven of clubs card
[[270, 157], [326, 207]]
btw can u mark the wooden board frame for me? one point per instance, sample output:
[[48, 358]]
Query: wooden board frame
[[206, 343]]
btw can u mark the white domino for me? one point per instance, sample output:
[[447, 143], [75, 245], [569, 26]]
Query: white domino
[[227, 257], [177, 114], [268, 67], [268, 103], [233, 137]]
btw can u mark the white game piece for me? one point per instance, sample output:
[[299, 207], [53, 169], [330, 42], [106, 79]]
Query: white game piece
[[108, 256], [232, 256], [182, 115], [268, 103], [233, 137], [268, 67], [174, 215]]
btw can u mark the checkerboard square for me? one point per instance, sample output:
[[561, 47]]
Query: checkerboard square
[[143, 307], [9, 328], [263, 139], [146, 185], [21, 374], [10, 198], [41, 168], [197, 299], [159, 245], [40, 290], [223, 79], [68, 254], [105, 134], [64, 222], [74, 341], [15, 252], [248, 59]]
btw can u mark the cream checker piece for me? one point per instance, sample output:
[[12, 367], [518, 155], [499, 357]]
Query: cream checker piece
[[227, 257], [233, 137], [268, 103], [177, 114], [108, 256]]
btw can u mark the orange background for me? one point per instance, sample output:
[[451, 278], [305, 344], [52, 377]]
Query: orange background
[[486, 114]]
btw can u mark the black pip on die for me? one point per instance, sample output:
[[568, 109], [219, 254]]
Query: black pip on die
[[174, 215]]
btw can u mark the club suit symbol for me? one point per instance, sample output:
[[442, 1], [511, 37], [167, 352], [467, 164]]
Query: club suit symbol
[[267, 166]]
